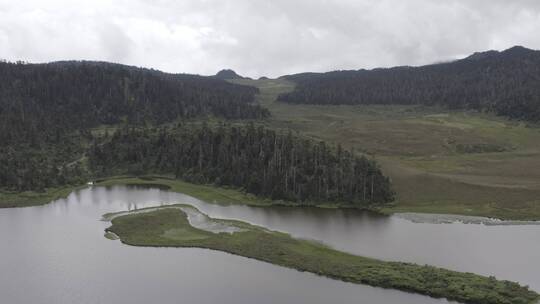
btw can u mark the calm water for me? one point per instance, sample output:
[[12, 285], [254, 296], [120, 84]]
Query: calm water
[[57, 254]]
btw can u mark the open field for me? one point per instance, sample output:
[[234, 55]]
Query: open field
[[171, 226], [440, 161]]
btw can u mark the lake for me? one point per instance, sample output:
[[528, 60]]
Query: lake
[[56, 253]]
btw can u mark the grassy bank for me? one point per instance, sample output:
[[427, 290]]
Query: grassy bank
[[33, 198], [210, 193], [170, 227], [207, 193], [203, 192], [439, 161]]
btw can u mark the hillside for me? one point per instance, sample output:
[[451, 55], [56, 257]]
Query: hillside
[[49, 113], [41, 101], [506, 83]]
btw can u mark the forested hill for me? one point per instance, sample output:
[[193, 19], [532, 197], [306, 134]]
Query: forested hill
[[259, 160], [46, 141], [39, 101], [506, 83]]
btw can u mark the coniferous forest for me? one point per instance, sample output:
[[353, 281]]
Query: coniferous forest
[[259, 160], [506, 83], [47, 110]]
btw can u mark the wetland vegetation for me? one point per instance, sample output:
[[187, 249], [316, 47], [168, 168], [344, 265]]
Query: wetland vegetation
[[170, 227]]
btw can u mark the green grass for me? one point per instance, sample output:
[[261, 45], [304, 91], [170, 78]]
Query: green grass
[[170, 227], [439, 161]]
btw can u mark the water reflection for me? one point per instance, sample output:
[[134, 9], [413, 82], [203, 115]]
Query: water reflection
[[507, 252]]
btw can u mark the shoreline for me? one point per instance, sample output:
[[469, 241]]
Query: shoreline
[[441, 218], [228, 196]]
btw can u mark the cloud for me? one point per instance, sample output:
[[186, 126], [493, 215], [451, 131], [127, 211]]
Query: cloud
[[260, 37]]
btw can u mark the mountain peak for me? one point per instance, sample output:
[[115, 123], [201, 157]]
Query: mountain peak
[[517, 50], [228, 74], [482, 55]]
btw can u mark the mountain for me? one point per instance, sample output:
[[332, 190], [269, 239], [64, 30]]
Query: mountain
[[506, 83], [39, 101], [228, 74]]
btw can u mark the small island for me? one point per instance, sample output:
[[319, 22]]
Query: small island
[[185, 226]]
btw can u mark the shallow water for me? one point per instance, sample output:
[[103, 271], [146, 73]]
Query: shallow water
[[57, 254]]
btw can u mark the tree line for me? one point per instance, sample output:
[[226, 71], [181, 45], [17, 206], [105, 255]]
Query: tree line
[[261, 161], [506, 83]]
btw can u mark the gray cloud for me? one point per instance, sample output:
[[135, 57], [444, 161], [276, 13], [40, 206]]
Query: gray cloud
[[262, 37]]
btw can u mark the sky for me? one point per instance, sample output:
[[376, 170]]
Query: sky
[[263, 38]]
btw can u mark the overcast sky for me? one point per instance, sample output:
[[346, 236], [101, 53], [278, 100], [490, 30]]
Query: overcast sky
[[256, 37]]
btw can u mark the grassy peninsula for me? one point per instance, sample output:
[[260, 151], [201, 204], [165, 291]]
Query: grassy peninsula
[[170, 227]]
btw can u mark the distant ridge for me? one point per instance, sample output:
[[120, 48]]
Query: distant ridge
[[506, 83], [513, 51]]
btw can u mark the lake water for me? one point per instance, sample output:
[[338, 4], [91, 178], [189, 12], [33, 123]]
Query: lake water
[[57, 254]]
